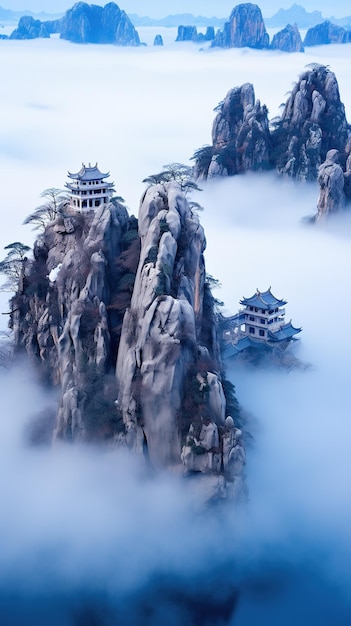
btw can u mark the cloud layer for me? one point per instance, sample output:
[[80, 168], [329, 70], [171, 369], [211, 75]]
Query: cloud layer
[[77, 523]]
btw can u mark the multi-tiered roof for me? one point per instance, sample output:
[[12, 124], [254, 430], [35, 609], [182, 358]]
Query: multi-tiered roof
[[260, 324], [88, 189]]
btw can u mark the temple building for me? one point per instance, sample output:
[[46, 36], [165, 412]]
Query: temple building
[[260, 324], [88, 189]]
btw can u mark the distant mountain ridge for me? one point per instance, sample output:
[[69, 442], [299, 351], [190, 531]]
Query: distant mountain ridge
[[298, 15], [175, 20], [7, 15], [295, 15], [169, 21]]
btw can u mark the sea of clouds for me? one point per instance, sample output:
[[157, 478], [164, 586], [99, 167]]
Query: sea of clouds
[[86, 536]]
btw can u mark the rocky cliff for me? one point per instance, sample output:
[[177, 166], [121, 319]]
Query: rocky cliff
[[326, 33], [190, 33], [158, 40], [288, 40], [122, 321], [245, 28], [331, 181], [84, 23], [29, 28], [313, 122], [68, 312], [89, 23], [240, 137]]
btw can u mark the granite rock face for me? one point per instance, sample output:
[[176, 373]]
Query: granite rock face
[[240, 136], [89, 23], [312, 123], [288, 40], [245, 28], [186, 33], [122, 322], [331, 182], [29, 28], [64, 315], [190, 33], [162, 336], [326, 33], [84, 23]]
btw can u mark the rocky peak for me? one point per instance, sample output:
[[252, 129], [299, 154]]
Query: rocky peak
[[123, 323], [90, 23], [240, 136], [312, 123], [186, 33], [158, 41], [162, 331], [288, 40], [326, 33], [29, 28], [331, 181], [245, 28]]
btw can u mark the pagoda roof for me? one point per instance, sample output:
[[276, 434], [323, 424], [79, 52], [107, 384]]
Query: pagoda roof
[[88, 173], [263, 300], [232, 349], [286, 331]]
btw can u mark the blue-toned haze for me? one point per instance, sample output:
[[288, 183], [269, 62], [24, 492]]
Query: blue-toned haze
[[156, 8], [75, 525]]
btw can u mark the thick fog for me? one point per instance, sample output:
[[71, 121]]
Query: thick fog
[[86, 535]]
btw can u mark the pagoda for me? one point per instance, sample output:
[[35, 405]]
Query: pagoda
[[87, 188], [260, 324]]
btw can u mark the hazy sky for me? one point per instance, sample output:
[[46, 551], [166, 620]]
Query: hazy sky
[[157, 8]]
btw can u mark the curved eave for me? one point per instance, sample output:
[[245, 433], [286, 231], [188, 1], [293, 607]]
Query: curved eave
[[88, 174], [105, 187], [263, 300], [285, 333]]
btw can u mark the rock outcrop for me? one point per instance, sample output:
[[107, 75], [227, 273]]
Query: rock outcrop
[[84, 23], [29, 28], [312, 123], [331, 182], [326, 33], [245, 28], [158, 41], [89, 23], [67, 312], [162, 341], [186, 33], [122, 321], [190, 33], [240, 136], [288, 40]]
